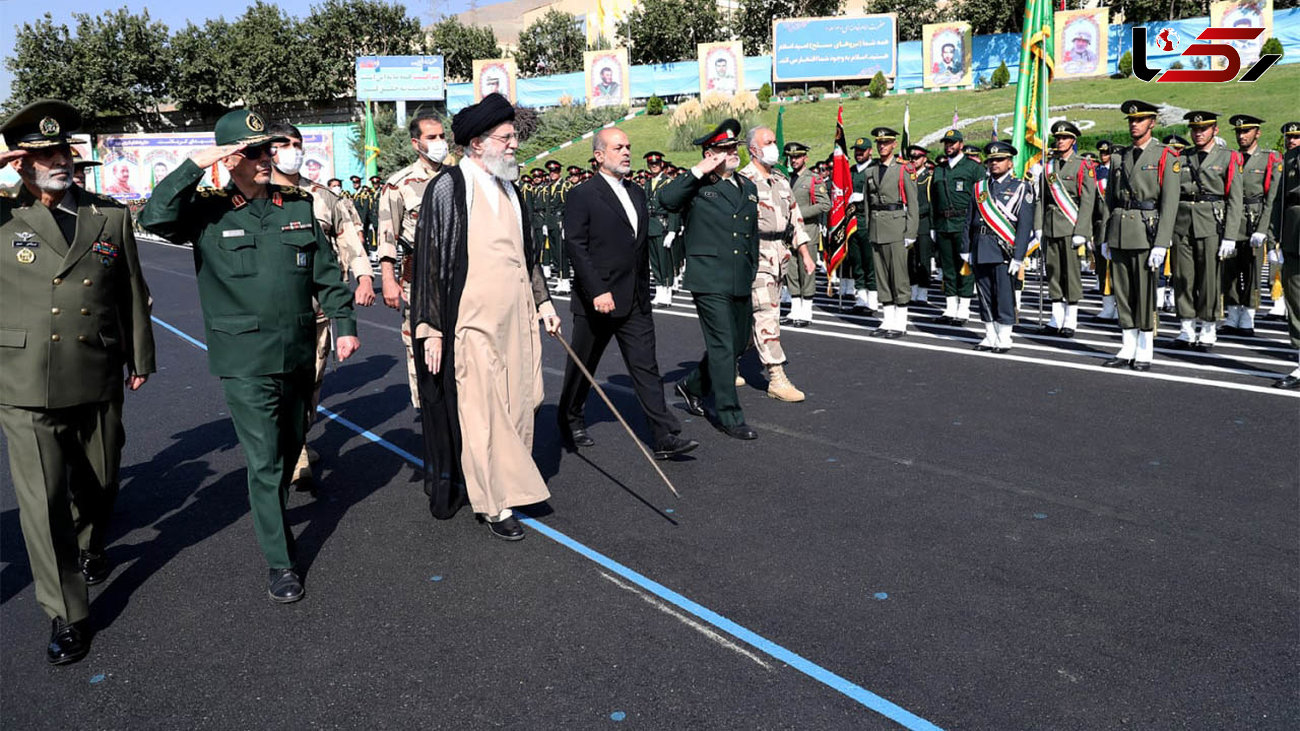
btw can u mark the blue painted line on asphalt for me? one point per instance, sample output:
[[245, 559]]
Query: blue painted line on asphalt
[[893, 712]]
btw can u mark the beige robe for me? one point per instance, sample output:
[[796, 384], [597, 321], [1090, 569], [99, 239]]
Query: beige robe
[[498, 361]]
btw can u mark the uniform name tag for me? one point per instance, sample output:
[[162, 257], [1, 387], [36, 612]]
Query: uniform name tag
[[26, 239], [961, 185], [302, 258], [232, 233]]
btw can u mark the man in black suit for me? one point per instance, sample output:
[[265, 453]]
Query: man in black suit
[[606, 221]]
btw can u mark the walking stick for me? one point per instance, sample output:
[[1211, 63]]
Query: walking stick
[[578, 362]]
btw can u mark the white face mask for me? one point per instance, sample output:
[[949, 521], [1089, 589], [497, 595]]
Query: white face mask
[[436, 150], [336, 189], [288, 160], [770, 154]]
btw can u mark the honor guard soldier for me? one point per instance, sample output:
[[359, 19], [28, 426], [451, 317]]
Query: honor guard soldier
[[545, 194], [535, 198], [814, 203], [1285, 229], [999, 226], [74, 326], [1261, 169], [859, 278], [1101, 267], [1290, 140], [556, 194], [891, 197], [399, 208], [973, 152], [720, 214], [950, 201], [1142, 198], [260, 258], [662, 231], [341, 225], [1209, 218], [922, 252], [1071, 193]]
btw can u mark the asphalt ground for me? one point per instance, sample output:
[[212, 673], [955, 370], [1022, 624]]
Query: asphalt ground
[[935, 538]]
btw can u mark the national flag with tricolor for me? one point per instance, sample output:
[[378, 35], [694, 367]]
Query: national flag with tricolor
[[907, 127], [782, 164], [1036, 70], [372, 145], [843, 220]]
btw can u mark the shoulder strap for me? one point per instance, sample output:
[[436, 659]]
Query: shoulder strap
[[1235, 160], [1160, 173], [1268, 171]]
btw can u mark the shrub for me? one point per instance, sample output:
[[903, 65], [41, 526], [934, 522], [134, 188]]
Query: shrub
[[694, 117], [1001, 76], [879, 86], [764, 96], [1126, 64], [849, 91], [1272, 45], [654, 106]]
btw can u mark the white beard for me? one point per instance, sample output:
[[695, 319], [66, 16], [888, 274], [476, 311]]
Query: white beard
[[45, 180], [502, 167]]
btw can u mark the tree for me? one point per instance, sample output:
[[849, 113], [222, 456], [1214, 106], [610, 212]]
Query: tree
[[459, 45], [986, 17], [754, 19], [201, 82], [552, 44], [126, 61], [266, 61], [666, 31], [338, 31], [912, 14], [1001, 76], [41, 55]]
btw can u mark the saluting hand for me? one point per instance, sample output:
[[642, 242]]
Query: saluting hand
[[8, 156], [346, 346], [210, 156]]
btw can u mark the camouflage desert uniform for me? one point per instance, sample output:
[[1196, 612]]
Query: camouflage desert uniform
[[780, 231]]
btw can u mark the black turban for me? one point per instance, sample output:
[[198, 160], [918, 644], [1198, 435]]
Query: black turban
[[474, 120]]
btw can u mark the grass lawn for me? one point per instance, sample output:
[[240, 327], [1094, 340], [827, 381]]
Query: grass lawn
[[813, 123]]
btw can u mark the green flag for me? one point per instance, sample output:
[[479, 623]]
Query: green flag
[[372, 145], [781, 165], [1036, 69], [907, 127]]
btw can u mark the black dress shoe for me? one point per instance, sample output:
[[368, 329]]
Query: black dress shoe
[[943, 320], [785, 321], [1117, 363], [674, 445], [694, 404], [1204, 347], [1067, 332], [508, 529], [283, 586], [1290, 383], [95, 567], [1001, 349], [582, 439], [983, 348], [740, 431], [1142, 366], [1246, 333], [801, 323], [1049, 330], [1177, 344], [894, 334], [68, 643], [879, 332]]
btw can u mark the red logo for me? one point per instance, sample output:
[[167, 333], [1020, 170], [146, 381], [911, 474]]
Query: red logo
[[1231, 58]]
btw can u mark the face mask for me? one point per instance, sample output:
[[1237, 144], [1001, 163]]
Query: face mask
[[770, 155], [436, 150], [336, 189], [288, 160]]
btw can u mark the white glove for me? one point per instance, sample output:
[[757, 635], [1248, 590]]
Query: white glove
[[1105, 251], [907, 243], [1257, 240], [1227, 248], [855, 198], [1079, 240], [545, 232], [1014, 266], [668, 240], [965, 256], [1157, 258], [1275, 256], [933, 237]]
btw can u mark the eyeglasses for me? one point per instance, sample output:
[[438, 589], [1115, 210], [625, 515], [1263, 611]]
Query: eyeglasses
[[512, 137], [256, 153]]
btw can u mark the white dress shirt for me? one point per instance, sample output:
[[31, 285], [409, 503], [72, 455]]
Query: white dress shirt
[[621, 193]]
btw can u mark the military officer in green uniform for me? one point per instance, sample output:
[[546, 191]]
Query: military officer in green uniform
[[1261, 170], [892, 199], [260, 257], [535, 198], [859, 278], [1209, 217], [554, 194], [922, 252], [1285, 230], [1142, 198], [661, 234], [720, 214], [74, 327], [950, 196], [1069, 195], [1100, 214], [814, 203]]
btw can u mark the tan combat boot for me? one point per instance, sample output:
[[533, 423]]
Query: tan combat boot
[[302, 470], [779, 386]]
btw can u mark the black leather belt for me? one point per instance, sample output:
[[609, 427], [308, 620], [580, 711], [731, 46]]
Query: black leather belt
[[771, 237], [888, 207], [1139, 205], [1253, 200], [1201, 198], [951, 213]]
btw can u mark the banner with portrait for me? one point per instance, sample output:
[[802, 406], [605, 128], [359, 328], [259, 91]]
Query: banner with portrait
[[722, 67], [946, 52], [607, 74], [495, 76], [1243, 14], [1082, 39]]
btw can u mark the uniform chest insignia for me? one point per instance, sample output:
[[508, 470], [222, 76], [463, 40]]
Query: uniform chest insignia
[[296, 226], [1177, 167], [753, 199], [107, 248], [238, 201], [961, 186], [1092, 173], [26, 256], [1051, 178], [709, 194], [983, 197], [26, 239], [277, 199], [302, 259]]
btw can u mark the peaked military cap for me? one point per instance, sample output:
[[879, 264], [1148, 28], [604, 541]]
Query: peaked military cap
[[952, 135], [1091, 156], [1136, 108], [1244, 121], [1201, 119], [591, 160], [1176, 141], [1291, 129], [575, 170], [1104, 147], [41, 124], [918, 148], [244, 127], [796, 148], [81, 162], [971, 149], [653, 156], [724, 135], [1064, 128], [536, 171], [859, 144], [997, 150], [884, 134], [554, 165]]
